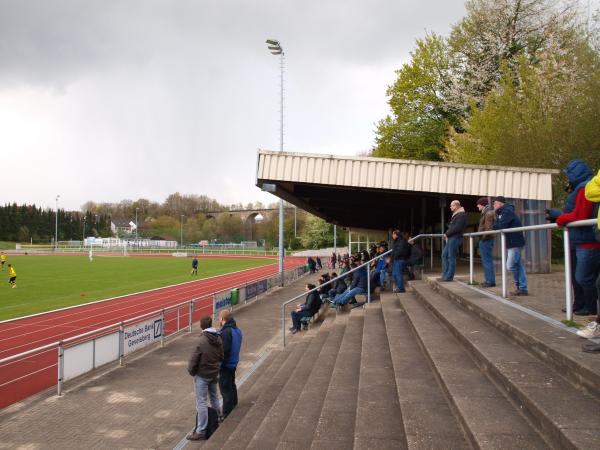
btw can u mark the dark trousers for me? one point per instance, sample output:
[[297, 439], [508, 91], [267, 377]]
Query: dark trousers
[[296, 316], [598, 291], [228, 389]]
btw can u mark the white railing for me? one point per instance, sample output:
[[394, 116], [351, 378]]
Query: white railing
[[368, 293], [503, 233]]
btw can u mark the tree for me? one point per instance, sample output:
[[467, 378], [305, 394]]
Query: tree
[[317, 233]]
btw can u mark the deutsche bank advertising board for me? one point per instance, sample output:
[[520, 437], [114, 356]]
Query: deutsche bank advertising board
[[142, 334]]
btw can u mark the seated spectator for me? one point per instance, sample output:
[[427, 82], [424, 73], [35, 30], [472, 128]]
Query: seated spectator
[[336, 287], [307, 309], [415, 259], [358, 286], [344, 266]]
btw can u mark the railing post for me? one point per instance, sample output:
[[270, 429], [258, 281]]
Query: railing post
[[568, 280], [121, 343], [368, 282], [191, 312], [61, 368], [162, 336], [283, 323], [470, 260], [431, 257], [503, 250]]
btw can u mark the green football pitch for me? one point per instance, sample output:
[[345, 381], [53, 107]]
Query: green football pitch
[[45, 283]]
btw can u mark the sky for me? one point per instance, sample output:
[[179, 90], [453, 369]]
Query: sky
[[111, 100]]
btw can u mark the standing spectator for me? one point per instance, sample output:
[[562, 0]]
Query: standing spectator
[[400, 251], [333, 260], [12, 276], [506, 218], [204, 367], [453, 238], [232, 344], [312, 265], [194, 266], [592, 193], [585, 251], [486, 242], [319, 263], [309, 308]]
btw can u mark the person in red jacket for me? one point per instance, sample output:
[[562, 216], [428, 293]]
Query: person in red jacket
[[587, 249]]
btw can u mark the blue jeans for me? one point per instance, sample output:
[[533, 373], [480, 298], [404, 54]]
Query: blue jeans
[[296, 316], [397, 271], [515, 265], [485, 250], [344, 297], [203, 387], [383, 275], [449, 255], [586, 272]]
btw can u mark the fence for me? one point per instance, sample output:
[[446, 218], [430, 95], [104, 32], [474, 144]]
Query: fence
[[53, 364]]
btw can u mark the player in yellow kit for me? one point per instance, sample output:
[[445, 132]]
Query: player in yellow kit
[[12, 276], [2, 260]]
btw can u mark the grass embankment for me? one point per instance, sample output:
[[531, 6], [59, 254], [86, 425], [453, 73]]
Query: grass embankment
[[45, 283]]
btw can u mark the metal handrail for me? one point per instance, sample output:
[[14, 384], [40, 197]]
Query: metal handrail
[[368, 264]]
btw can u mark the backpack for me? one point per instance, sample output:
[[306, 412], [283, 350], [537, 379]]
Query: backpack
[[213, 422]]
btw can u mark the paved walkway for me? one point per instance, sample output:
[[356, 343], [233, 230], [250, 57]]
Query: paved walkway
[[147, 403]]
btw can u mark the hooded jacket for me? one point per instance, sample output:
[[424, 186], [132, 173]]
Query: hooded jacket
[[506, 218], [592, 192], [232, 344], [576, 206], [207, 356], [457, 224]]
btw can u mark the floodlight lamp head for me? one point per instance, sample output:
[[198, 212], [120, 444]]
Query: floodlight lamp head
[[272, 42]]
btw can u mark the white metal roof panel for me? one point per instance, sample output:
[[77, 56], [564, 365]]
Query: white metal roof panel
[[406, 175]]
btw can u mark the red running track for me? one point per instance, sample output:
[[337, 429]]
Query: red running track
[[24, 377]]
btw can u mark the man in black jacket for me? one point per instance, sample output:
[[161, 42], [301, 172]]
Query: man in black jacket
[[204, 366], [307, 309], [400, 252], [453, 238]]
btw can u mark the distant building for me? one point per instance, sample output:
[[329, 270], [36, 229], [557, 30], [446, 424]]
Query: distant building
[[122, 226]]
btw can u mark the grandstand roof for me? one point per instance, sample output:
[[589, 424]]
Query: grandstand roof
[[341, 189]]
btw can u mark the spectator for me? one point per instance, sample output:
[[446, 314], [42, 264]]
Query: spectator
[[592, 193], [486, 242], [319, 264], [232, 344], [453, 238], [333, 260], [506, 218], [204, 367], [312, 265], [379, 269], [585, 251], [415, 259], [358, 286], [400, 252], [338, 286], [309, 308]]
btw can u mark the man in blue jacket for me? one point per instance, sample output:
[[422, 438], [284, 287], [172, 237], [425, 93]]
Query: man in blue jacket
[[506, 218], [232, 344], [358, 286]]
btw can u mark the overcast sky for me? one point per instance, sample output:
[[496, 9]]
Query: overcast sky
[[110, 100]]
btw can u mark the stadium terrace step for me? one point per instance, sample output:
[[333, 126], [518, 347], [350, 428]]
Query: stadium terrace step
[[378, 417], [488, 418], [532, 385], [429, 422], [335, 428], [248, 426], [305, 416], [557, 347]]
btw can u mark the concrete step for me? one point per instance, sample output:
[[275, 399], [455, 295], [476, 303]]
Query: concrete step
[[533, 386], [429, 421], [552, 344], [251, 421], [267, 435], [378, 418], [247, 397], [298, 433], [335, 428], [488, 418]]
